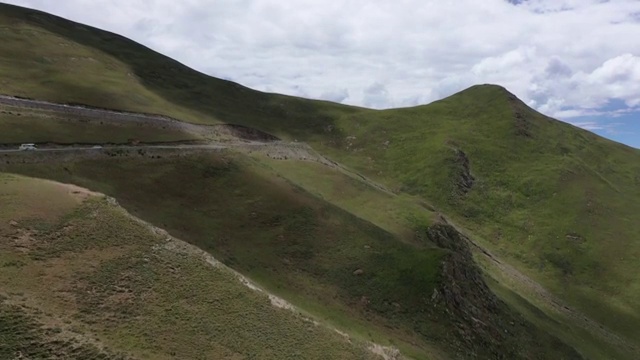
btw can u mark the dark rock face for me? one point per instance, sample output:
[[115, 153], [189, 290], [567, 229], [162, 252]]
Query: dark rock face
[[523, 127], [486, 328], [466, 288], [521, 122], [465, 295], [464, 180]]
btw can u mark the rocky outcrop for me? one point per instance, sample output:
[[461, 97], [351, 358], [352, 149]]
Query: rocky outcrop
[[464, 293], [522, 123], [486, 328], [464, 180]]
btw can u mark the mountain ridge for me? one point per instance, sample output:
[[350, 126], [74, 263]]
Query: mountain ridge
[[100, 39]]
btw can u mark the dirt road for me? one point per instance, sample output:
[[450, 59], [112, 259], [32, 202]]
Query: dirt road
[[150, 120]]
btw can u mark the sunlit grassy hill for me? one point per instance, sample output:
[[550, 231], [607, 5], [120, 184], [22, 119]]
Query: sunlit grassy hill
[[557, 201]]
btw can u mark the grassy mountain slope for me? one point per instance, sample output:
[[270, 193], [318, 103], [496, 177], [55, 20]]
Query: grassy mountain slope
[[399, 214], [80, 279], [334, 265], [557, 202]]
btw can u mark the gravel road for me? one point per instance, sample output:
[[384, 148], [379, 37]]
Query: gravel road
[[150, 120]]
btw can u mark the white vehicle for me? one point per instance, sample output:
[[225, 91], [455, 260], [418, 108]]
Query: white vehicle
[[96, 147], [28, 147]]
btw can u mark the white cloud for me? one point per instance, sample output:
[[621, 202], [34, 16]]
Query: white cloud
[[565, 57], [335, 95], [495, 65], [588, 125], [563, 93], [620, 77], [602, 127], [376, 95]]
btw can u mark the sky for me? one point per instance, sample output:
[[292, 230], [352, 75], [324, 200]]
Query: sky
[[575, 60]]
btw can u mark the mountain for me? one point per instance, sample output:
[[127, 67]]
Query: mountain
[[472, 227]]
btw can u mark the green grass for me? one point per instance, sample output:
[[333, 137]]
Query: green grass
[[551, 317], [557, 202], [99, 275], [398, 214], [273, 231], [32, 200], [22, 337], [591, 346], [33, 126], [292, 243]]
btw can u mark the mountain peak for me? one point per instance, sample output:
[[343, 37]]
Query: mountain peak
[[493, 89]]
